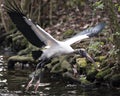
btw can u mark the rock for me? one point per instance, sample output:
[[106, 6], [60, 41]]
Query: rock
[[81, 62], [61, 65], [21, 59], [29, 50]]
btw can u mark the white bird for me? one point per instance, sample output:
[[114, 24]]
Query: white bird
[[39, 37]]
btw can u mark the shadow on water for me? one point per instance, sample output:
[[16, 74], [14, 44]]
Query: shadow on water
[[12, 83]]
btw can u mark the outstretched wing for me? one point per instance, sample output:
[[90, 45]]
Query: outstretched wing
[[34, 33], [90, 32]]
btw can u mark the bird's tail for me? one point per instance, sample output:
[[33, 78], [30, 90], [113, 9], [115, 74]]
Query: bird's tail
[[36, 54]]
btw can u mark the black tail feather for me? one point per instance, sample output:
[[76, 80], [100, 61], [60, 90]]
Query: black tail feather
[[36, 54]]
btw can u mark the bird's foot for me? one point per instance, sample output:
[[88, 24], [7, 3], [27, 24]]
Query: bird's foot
[[37, 85], [29, 84]]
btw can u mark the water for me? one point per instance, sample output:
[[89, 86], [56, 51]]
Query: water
[[12, 83]]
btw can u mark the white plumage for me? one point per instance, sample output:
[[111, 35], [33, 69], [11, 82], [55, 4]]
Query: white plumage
[[39, 37], [57, 48]]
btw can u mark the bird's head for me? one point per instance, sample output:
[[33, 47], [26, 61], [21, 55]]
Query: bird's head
[[82, 52]]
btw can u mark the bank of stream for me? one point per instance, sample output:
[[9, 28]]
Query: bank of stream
[[13, 82]]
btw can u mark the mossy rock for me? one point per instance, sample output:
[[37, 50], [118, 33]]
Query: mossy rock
[[101, 74], [61, 66], [56, 68], [115, 80], [28, 50], [81, 62], [52, 63], [22, 59], [66, 65]]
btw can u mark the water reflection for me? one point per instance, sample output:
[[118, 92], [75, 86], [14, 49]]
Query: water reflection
[[12, 83]]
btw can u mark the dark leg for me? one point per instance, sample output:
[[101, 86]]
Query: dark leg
[[37, 85], [38, 81], [38, 73], [31, 81]]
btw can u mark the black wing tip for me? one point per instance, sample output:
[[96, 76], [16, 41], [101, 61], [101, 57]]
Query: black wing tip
[[12, 7], [97, 29], [36, 54], [100, 26]]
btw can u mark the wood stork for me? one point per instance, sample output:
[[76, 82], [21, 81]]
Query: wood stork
[[39, 37]]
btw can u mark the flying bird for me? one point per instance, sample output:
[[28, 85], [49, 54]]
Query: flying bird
[[40, 38]]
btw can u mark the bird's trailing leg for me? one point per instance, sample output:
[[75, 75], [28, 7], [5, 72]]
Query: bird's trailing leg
[[37, 85], [29, 84], [40, 73], [35, 74], [38, 81]]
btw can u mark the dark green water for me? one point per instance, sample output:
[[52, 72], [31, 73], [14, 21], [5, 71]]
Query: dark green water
[[12, 83]]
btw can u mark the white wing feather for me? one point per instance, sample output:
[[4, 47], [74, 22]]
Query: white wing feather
[[90, 32], [75, 39]]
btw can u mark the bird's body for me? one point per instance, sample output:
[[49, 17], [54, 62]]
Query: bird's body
[[59, 49], [39, 37]]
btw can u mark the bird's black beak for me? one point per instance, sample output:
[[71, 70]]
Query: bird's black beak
[[83, 53]]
